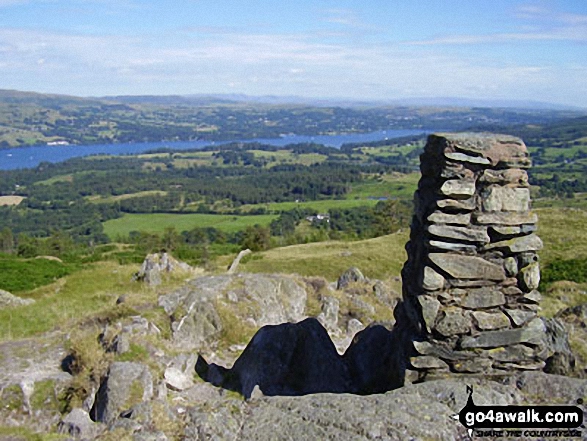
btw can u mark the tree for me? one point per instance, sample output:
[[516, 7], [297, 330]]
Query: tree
[[6, 241], [256, 238]]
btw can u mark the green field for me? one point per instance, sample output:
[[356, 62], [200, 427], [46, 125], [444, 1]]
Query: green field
[[391, 186], [381, 258], [319, 206], [158, 222]]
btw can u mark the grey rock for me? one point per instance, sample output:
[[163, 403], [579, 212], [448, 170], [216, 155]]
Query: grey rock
[[384, 294], [351, 275], [490, 320], [428, 362], [530, 277], [269, 299], [441, 351], [10, 300], [561, 360], [513, 353], [151, 436], [125, 385], [550, 389], [439, 217], [532, 297], [509, 231], [461, 157], [432, 280], [329, 315], [361, 306], [518, 244], [78, 424], [354, 326], [497, 198], [509, 218], [525, 259], [467, 267], [458, 188], [453, 321], [483, 298], [177, 380], [531, 333], [511, 266], [198, 326], [450, 246], [504, 177], [459, 233], [430, 307], [155, 264], [519, 316], [473, 365], [454, 204]]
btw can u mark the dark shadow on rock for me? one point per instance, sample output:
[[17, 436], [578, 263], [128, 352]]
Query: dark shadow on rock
[[299, 358]]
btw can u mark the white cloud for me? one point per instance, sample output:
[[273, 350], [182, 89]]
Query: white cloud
[[538, 24], [259, 64]]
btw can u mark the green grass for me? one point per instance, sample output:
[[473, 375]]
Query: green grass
[[158, 222], [89, 292], [564, 233], [17, 275], [380, 258], [122, 197], [320, 206], [390, 186]]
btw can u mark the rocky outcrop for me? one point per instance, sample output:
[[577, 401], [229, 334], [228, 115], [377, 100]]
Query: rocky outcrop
[[197, 309], [417, 411], [126, 384], [10, 300], [156, 264], [470, 281]]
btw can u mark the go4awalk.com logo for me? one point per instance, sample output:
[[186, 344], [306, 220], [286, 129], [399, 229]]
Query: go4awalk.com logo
[[517, 421]]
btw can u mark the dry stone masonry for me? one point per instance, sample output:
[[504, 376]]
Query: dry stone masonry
[[471, 279]]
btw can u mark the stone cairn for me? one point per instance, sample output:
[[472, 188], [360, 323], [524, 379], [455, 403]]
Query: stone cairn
[[472, 271]]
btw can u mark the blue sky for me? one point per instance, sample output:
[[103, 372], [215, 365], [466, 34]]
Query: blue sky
[[376, 49]]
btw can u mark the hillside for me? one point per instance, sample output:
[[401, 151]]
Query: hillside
[[28, 118]]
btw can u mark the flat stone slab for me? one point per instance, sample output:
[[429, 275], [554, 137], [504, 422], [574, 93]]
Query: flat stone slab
[[438, 217], [462, 157], [519, 244], [506, 218], [496, 148], [459, 233], [506, 199], [467, 267], [458, 188], [533, 333]]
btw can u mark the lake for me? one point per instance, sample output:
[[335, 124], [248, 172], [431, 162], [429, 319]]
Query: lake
[[29, 157]]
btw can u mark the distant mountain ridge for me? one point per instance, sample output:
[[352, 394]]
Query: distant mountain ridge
[[15, 96]]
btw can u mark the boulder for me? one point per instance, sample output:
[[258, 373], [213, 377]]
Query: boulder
[[177, 380], [155, 264], [329, 315], [257, 299], [10, 300], [78, 424], [351, 275], [126, 384]]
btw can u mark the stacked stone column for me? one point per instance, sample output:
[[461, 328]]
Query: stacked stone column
[[472, 271]]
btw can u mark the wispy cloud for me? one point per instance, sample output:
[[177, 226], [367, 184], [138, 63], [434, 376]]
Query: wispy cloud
[[207, 60], [538, 24]]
